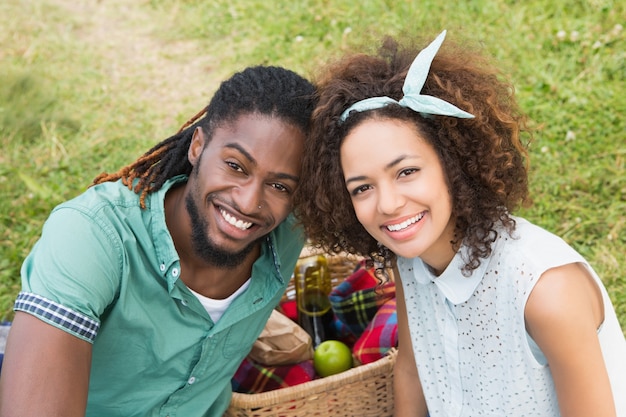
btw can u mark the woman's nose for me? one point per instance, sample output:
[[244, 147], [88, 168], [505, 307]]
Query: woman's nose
[[389, 200]]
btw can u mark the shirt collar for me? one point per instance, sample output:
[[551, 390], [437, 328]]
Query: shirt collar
[[455, 286], [163, 243]]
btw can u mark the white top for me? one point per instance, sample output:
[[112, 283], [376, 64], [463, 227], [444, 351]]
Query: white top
[[472, 351], [216, 308]]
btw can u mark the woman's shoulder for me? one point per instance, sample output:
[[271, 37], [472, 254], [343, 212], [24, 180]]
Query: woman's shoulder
[[532, 249], [532, 240]]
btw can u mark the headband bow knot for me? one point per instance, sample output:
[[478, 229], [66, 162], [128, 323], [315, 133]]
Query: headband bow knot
[[415, 79]]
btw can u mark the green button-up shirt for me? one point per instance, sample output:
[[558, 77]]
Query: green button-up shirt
[[106, 271]]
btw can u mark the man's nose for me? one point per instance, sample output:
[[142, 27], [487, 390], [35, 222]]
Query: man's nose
[[250, 198]]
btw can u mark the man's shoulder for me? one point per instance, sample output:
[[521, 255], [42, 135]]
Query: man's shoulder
[[104, 193]]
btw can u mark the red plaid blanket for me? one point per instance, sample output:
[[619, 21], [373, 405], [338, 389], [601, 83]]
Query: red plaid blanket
[[379, 336], [357, 299]]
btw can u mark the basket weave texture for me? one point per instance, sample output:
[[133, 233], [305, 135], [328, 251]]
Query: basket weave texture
[[363, 391]]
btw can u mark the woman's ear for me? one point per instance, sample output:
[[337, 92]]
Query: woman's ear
[[196, 146]]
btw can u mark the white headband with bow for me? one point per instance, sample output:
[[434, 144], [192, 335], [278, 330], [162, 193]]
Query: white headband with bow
[[415, 79]]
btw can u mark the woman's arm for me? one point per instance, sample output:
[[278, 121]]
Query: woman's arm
[[562, 316], [45, 371], [407, 390]]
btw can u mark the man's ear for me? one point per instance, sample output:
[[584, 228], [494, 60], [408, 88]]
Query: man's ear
[[196, 146]]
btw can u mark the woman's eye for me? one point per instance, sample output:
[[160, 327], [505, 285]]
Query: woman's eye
[[360, 189], [408, 171]]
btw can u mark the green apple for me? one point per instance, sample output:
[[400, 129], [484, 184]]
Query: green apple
[[332, 357]]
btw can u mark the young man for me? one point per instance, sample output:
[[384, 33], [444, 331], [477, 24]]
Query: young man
[[145, 293]]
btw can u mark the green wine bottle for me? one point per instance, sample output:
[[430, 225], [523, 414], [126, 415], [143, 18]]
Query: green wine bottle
[[313, 285]]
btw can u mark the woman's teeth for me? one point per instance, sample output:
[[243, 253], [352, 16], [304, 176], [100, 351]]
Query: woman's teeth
[[404, 224], [239, 224]]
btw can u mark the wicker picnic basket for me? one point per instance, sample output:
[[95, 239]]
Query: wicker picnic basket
[[364, 390]]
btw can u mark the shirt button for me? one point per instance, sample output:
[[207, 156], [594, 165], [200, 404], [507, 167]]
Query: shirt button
[[175, 272], [162, 267], [183, 302], [191, 380]]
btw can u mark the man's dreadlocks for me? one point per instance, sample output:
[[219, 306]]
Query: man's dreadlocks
[[266, 90]]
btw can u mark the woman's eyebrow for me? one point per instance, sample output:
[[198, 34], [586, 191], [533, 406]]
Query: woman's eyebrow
[[355, 179], [396, 161], [387, 167]]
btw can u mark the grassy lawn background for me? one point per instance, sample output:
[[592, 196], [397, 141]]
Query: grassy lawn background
[[86, 86]]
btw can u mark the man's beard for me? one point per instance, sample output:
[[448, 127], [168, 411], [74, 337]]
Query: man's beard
[[205, 248]]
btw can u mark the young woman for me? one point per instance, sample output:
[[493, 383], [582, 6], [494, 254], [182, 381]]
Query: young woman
[[421, 163]]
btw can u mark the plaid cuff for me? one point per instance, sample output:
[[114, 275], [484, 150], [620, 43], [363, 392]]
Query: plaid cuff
[[54, 313]]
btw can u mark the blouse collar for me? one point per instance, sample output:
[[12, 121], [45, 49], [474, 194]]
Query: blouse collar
[[455, 286]]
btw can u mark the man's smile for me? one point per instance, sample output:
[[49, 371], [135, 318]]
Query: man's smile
[[233, 221]]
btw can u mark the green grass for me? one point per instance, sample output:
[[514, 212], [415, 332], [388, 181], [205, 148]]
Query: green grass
[[68, 111]]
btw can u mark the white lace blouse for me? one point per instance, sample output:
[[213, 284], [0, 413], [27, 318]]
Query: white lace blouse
[[472, 351]]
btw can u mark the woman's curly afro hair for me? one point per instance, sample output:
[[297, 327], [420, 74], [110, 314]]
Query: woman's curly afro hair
[[484, 158]]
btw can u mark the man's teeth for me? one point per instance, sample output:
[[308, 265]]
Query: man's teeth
[[405, 224], [239, 224]]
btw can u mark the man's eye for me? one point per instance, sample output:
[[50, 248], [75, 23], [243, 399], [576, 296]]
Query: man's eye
[[280, 187], [234, 166]]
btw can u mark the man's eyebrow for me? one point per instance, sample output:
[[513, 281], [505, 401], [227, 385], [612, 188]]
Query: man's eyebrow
[[250, 158], [285, 176], [242, 151]]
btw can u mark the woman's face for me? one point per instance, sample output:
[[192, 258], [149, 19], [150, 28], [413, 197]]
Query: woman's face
[[398, 190]]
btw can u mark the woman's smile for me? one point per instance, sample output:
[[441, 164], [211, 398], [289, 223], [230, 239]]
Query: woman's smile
[[404, 224]]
